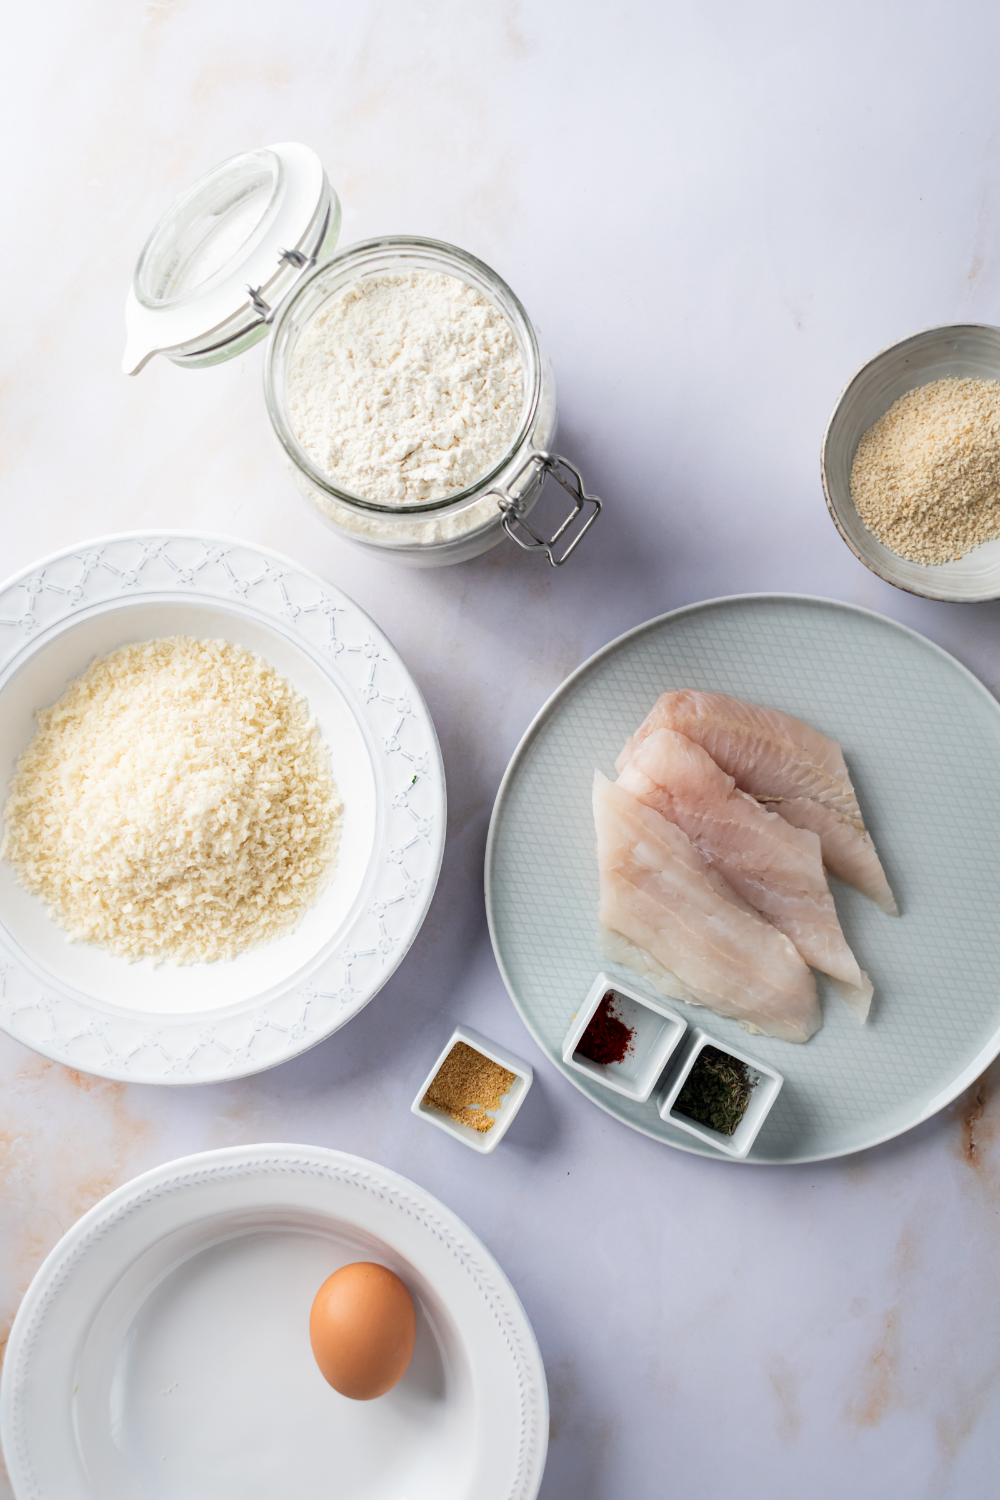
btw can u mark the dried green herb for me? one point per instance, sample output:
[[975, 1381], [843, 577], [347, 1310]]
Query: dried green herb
[[717, 1091]]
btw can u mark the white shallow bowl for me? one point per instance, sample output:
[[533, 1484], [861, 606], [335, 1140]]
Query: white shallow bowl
[[162, 1351], [657, 1032], [167, 1024], [963, 350], [764, 1094], [482, 1141]]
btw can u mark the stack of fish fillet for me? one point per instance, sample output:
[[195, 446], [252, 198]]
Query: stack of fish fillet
[[713, 847]]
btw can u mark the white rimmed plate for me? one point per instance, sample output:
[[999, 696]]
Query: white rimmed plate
[[164, 1024], [922, 740], [162, 1350]]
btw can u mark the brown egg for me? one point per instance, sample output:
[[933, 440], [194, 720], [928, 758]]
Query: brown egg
[[362, 1327]]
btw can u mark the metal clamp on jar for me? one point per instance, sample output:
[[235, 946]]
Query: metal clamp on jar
[[247, 250]]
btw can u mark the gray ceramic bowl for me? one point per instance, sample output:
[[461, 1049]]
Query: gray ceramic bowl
[[960, 349]]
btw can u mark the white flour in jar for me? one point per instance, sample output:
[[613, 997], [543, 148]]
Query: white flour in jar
[[406, 387]]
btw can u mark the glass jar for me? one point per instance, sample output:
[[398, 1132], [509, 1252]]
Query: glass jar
[[462, 525], [215, 277]]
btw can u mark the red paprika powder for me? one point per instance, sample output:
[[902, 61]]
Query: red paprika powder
[[607, 1039]]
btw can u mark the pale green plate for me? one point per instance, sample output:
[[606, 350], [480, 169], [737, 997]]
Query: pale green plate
[[922, 741]]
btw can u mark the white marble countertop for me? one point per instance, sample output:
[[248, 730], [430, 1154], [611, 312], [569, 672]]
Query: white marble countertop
[[715, 212]]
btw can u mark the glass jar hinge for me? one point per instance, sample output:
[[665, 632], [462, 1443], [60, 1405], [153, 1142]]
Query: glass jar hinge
[[514, 512], [302, 263]]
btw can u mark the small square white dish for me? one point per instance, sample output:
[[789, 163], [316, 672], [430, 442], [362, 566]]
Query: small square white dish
[[761, 1099], [482, 1141], [657, 1032]]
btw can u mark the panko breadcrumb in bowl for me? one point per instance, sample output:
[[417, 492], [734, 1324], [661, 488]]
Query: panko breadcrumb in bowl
[[241, 859], [175, 803]]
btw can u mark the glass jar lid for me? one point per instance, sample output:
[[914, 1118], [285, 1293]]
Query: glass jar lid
[[212, 272]]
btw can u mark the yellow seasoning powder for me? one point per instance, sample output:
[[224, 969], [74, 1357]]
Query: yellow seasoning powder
[[467, 1084]]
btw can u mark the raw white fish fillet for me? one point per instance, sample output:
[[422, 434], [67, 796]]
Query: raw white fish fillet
[[775, 867], [779, 759], [659, 893], [621, 951], [848, 851], [784, 756]]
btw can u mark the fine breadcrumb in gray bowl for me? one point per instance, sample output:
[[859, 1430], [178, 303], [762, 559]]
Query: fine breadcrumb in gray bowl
[[926, 476], [175, 803]]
